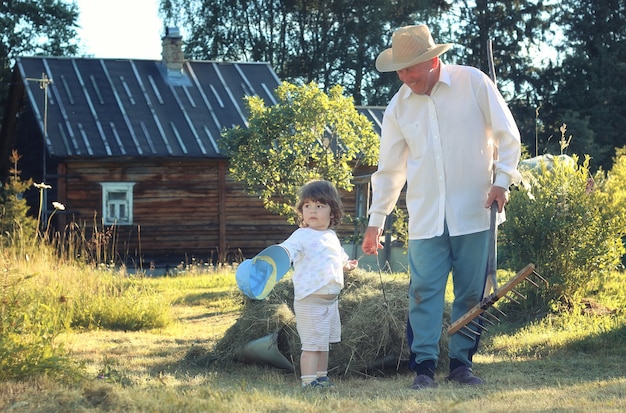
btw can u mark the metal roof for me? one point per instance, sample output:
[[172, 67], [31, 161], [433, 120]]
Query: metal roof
[[111, 107], [374, 114], [138, 108]]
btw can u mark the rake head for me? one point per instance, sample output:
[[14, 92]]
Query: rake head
[[480, 311]]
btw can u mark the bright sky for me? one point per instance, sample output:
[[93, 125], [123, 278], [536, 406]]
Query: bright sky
[[127, 29]]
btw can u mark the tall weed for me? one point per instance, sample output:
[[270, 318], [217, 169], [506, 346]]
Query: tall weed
[[30, 321], [41, 297]]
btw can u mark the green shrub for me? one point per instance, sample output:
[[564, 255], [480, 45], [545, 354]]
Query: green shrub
[[563, 222]]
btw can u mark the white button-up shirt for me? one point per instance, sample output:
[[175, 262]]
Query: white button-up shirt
[[442, 145]]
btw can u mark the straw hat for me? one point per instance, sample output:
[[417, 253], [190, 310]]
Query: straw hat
[[410, 45]]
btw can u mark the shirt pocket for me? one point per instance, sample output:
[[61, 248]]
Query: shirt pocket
[[416, 139]]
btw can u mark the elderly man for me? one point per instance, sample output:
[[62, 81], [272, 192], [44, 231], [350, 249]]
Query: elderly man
[[440, 133]]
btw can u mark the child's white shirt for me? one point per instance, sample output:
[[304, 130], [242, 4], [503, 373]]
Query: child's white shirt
[[318, 260]]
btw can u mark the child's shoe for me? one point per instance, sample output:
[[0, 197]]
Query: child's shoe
[[320, 382], [325, 381], [312, 384]]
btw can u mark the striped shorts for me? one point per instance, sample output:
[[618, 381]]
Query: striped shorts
[[317, 321]]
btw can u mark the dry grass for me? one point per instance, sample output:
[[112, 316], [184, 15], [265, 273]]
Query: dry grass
[[156, 371], [373, 326]]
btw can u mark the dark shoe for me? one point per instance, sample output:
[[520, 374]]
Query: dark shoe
[[423, 381], [325, 382], [319, 384], [312, 385], [464, 375]]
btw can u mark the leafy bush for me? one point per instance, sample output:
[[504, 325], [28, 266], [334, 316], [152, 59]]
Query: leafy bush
[[563, 222]]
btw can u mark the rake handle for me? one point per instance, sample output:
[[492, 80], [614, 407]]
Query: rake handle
[[492, 257]]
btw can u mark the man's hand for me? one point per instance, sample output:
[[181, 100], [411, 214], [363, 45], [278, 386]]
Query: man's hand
[[371, 240], [499, 195]]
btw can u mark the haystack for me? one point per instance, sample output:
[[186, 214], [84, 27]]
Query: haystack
[[373, 308]]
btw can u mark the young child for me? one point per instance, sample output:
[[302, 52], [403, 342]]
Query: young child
[[318, 261]]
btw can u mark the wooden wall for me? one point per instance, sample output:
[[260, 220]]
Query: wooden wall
[[181, 210]]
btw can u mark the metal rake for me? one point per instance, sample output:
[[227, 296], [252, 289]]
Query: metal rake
[[479, 311]]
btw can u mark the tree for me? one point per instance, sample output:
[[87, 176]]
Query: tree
[[515, 27], [34, 27], [307, 135], [589, 95]]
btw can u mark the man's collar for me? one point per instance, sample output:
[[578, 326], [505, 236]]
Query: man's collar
[[444, 75]]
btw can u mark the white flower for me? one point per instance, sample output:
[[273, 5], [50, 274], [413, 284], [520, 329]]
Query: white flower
[[42, 185], [58, 205]]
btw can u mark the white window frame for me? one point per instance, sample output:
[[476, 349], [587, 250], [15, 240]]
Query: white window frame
[[126, 203]]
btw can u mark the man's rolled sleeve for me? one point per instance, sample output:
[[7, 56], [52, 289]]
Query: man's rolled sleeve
[[377, 220]]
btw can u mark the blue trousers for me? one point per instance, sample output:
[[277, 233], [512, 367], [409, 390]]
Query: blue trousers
[[431, 261]]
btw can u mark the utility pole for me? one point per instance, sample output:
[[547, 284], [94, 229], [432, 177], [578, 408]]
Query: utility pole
[[44, 82]]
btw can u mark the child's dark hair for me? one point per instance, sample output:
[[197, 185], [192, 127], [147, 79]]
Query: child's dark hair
[[325, 193]]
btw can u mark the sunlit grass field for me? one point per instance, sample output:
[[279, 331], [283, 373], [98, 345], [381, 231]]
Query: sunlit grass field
[[130, 345]]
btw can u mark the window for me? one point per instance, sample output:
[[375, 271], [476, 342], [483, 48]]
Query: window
[[117, 203]]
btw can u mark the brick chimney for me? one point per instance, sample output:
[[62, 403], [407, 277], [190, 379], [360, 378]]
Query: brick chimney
[[172, 43]]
